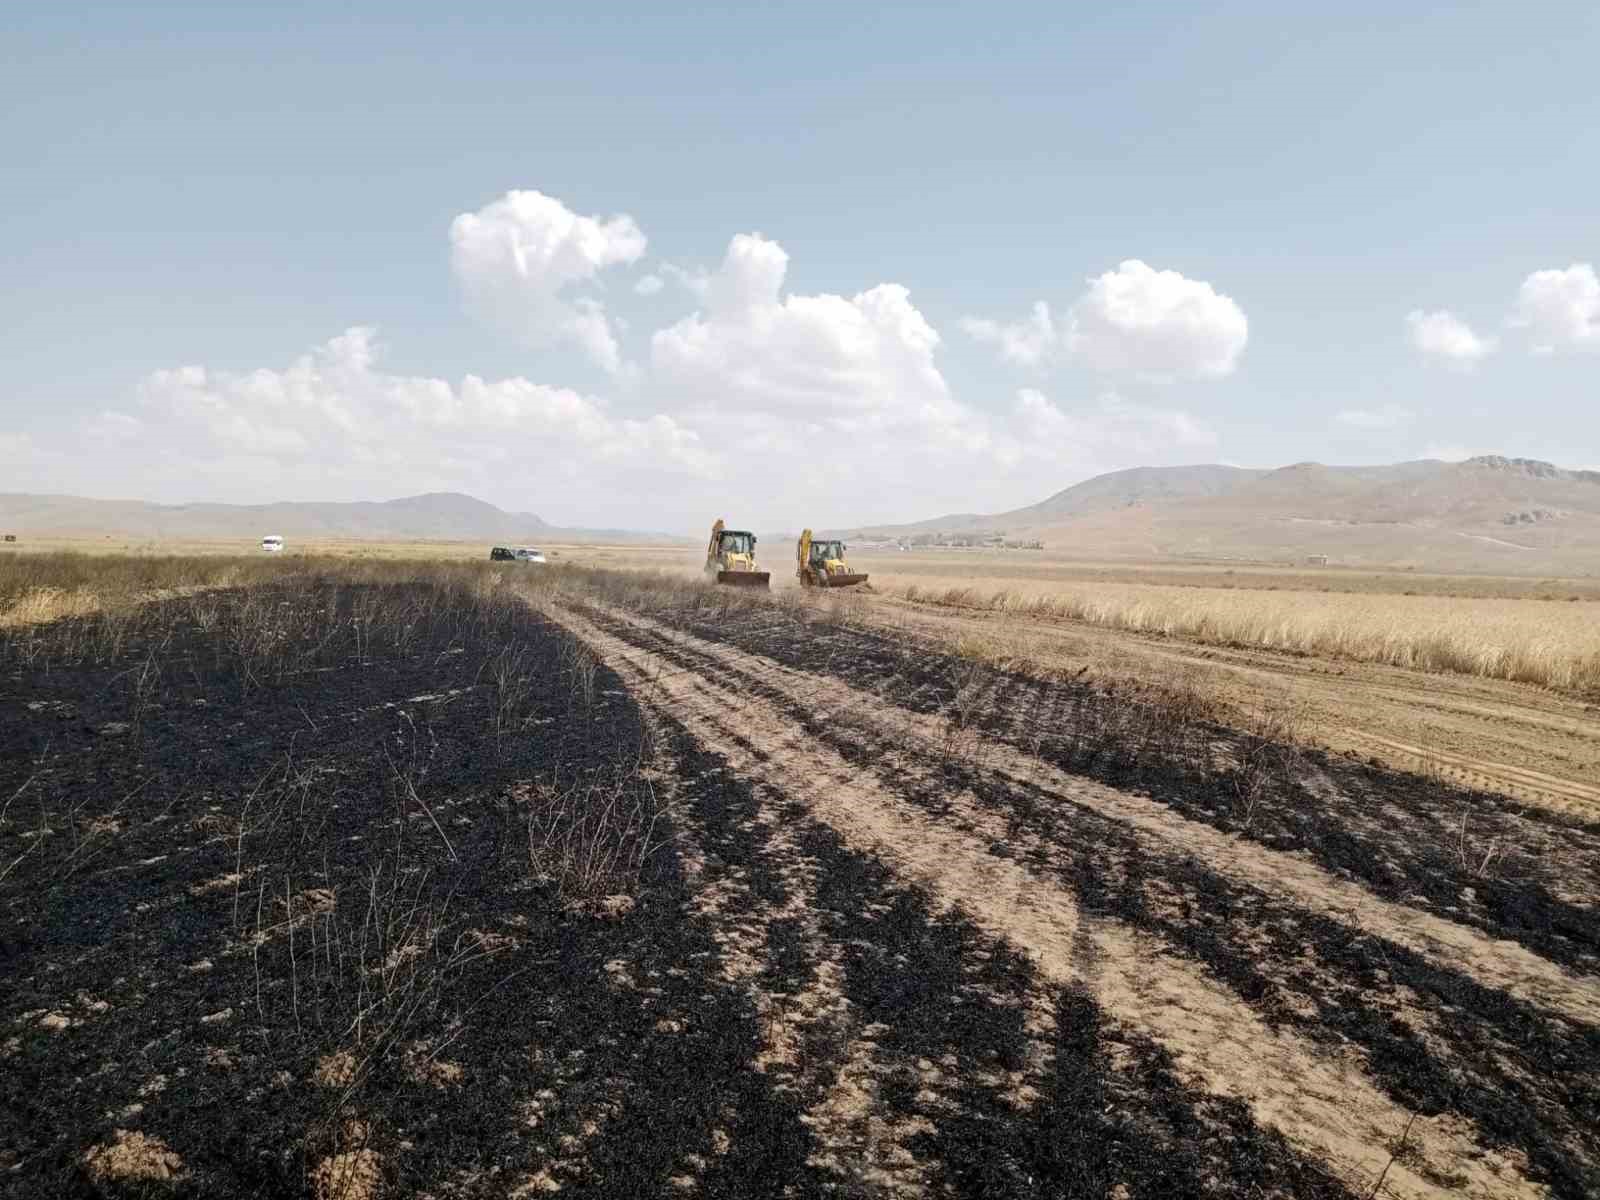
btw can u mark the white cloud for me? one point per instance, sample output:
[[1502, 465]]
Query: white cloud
[[521, 259], [649, 285], [1442, 337], [335, 411], [1388, 416], [112, 427], [694, 280], [1112, 426], [1156, 325], [784, 409], [1560, 309], [1028, 343], [822, 361]]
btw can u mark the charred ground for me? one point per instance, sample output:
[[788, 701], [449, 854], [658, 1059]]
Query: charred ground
[[346, 887]]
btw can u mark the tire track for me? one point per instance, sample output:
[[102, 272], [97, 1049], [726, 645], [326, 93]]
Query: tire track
[[754, 884], [1438, 1040], [1565, 795], [1496, 962], [1322, 1102], [1461, 711], [1400, 837]]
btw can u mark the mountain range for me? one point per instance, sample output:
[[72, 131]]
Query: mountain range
[[1490, 513], [435, 516]]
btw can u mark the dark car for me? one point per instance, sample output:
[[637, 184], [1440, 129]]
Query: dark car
[[501, 554]]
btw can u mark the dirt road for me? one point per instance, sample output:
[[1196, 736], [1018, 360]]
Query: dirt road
[[1519, 740], [1215, 983]]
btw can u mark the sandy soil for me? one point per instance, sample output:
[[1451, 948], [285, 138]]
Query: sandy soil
[[1523, 741], [1325, 1098]]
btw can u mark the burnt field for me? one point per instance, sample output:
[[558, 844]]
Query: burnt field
[[452, 882]]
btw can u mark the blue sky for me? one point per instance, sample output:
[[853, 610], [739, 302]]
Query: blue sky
[[233, 188]]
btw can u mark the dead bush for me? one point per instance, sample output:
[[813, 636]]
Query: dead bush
[[509, 676], [580, 665], [1265, 756], [593, 837]]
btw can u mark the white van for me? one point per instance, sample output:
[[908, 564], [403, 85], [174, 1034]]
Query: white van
[[528, 554], [272, 544]]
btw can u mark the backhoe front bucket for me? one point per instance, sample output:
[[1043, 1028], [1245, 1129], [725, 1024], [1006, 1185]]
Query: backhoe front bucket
[[749, 579], [839, 581]]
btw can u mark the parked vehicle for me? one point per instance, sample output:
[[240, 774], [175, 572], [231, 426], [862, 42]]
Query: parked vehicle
[[822, 563], [501, 554], [528, 554], [731, 557], [272, 544]]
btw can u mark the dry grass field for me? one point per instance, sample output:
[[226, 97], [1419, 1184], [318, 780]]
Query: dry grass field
[[1539, 631], [1526, 641], [346, 878]]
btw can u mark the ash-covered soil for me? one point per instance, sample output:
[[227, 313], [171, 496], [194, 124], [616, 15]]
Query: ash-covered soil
[[365, 889], [1478, 1033], [1515, 870]]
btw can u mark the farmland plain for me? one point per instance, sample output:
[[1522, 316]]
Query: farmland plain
[[336, 877]]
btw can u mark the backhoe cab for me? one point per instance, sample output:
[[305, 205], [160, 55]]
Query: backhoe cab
[[821, 563], [731, 558]]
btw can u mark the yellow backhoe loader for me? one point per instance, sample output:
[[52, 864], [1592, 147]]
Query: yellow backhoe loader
[[731, 558], [822, 564]]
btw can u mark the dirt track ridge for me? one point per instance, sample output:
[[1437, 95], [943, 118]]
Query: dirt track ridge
[[1501, 963], [1322, 1101], [1508, 737]]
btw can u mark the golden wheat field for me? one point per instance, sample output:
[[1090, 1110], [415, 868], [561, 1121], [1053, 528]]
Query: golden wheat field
[[1526, 641], [1537, 631]]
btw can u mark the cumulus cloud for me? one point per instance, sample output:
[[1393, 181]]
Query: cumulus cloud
[[1135, 320], [801, 408], [1028, 343], [113, 427], [1444, 338], [524, 259], [1113, 425], [335, 410], [1388, 416], [693, 280], [1560, 309], [823, 361], [1158, 323], [649, 285]]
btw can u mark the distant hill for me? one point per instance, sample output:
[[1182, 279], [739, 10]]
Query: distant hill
[[436, 516], [1490, 513], [1137, 485], [1103, 493]]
